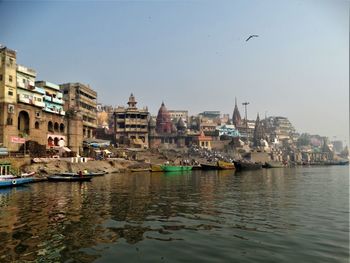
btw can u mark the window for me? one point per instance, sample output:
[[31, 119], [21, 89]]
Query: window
[[9, 121], [50, 126], [10, 93], [37, 114], [24, 81], [36, 125], [10, 78], [11, 108], [61, 127], [0, 77]]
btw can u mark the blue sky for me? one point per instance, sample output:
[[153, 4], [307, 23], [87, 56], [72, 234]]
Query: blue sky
[[193, 54]]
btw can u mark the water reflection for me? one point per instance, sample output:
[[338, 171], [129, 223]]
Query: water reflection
[[85, 222]]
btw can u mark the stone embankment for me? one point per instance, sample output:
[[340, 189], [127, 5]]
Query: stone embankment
[[60, 166]]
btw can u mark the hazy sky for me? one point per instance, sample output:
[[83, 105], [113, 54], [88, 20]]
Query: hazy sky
[[193, 54]]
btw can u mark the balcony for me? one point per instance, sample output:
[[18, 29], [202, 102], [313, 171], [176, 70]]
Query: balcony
[[47, 98], [57, 100], [25, 99], [55, 111], [39, 104]]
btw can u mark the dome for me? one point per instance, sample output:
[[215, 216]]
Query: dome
[[163, 123], [152, 122], [181, 125]]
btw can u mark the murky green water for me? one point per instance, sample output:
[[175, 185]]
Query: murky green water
[[276, 215]]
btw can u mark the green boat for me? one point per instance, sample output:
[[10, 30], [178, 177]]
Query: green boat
[[176, 168]]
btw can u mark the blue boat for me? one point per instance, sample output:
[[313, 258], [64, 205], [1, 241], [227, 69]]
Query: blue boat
[[9, 180], [14, 182]]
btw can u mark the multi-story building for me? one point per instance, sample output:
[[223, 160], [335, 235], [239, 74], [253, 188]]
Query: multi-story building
[[131, 124], [8, 97], [210, 114], [81, 101], [24, 109], [279, 128], [52, 114], [175, 115]]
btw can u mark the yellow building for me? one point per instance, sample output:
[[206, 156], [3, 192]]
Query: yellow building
[[203, 141], [24, 106]]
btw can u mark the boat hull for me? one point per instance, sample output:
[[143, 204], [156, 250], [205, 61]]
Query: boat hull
[[247, 166], [274, 165], [176, 168], [156, 168], [15, 182], [209, 166], [69, 178], [225, 165], [85, 174]]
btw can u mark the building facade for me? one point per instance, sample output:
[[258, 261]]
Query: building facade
[[131, 124], [81, 106], [8, 97], [26, 111]]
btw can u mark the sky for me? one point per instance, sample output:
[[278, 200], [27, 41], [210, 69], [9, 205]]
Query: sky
[[193, 55]]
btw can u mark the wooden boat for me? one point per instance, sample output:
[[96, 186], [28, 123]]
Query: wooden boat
[[27, 174], [175, 168], [197, 167], [274, 164], [225, 165], [139, 170], [101, 173], [209, 166], [59, 178], [247, 165], [156, 168], [84, 173]]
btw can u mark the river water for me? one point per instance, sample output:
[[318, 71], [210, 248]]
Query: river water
[[275, 215]]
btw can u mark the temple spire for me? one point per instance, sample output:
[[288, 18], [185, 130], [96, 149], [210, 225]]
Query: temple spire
[[236, 116], [132, 101]]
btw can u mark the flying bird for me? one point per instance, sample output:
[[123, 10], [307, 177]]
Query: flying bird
[[251, 36]]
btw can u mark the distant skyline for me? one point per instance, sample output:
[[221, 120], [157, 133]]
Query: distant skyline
[[194, 55]]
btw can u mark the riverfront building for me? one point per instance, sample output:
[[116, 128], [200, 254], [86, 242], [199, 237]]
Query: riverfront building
[[165, 132], [175, 115], [279, 128], [81, 111], [29, 109], [131, 124]]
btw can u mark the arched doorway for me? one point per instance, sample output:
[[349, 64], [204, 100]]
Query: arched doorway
[[50, 141], [23, 122]]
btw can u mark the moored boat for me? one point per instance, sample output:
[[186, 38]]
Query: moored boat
[[15, 182], [58, 178], [241, 165], [225, 165], [7, 179], [139, 170], [156, 168], [209, 166], [176, 168], [274, 164], [85, 173], [27, 174]]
